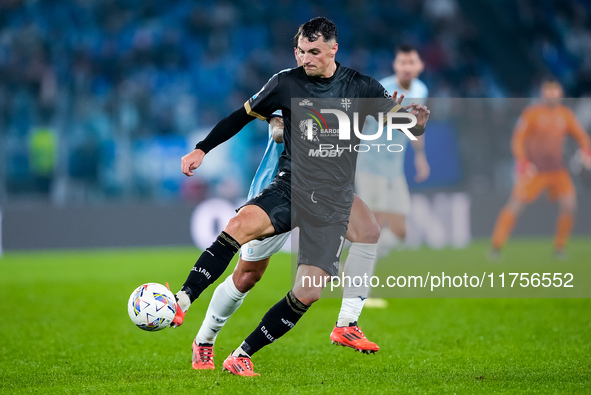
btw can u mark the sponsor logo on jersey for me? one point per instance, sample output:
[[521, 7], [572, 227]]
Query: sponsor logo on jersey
[[394, 122], [325, 153], [335, 151]]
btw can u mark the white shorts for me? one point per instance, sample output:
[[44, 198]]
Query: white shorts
[[389, 195], [258, 250]]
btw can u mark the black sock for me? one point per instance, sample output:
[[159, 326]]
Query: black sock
[[210, 265], [276, 323]]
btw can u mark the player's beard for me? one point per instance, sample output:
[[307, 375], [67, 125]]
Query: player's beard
[[311, 71]]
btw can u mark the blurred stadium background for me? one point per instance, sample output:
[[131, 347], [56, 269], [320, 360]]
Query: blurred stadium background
[[100, 99]]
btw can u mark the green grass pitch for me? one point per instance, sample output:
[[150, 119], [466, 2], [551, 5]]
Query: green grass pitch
[[66, 330]]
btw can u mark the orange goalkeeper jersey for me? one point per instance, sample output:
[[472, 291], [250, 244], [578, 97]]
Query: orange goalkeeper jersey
[[540, 133]]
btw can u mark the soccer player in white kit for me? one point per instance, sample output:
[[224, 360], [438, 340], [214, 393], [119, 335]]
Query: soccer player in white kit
[[363, 232], [380, 181]]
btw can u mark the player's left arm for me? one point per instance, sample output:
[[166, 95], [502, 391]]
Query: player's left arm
[[421, 164], [422, 168], [580, 135], [277, 126], [420, 112], [260, 106]]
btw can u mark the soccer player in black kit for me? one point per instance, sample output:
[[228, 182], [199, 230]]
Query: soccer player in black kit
[[316, 196]]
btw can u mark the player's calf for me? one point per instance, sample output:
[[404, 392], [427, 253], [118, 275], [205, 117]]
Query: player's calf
[[248, 273], [280, 318], [208, 268]]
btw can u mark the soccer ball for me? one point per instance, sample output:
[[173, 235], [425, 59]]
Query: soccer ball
[[151, 307]]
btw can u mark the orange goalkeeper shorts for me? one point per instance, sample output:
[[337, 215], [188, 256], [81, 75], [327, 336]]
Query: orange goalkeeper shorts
[[528, 188]]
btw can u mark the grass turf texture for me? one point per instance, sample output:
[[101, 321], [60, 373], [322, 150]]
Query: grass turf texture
[[67, 331]]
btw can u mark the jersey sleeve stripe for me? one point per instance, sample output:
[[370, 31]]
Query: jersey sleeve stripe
[[396, 108], [252, 113]]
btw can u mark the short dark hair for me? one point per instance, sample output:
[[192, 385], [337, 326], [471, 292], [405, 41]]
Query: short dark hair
[[405, 48], [550, 80], [297, 37], [317, 26]]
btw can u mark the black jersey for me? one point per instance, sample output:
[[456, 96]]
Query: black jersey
[[320, 164]]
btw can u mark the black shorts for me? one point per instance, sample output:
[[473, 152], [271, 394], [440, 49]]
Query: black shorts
[[322, 236], [322, 229], [275, 200]]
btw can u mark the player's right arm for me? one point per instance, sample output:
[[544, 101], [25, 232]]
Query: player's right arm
[[260, 106], [522, 129], [223, 131]]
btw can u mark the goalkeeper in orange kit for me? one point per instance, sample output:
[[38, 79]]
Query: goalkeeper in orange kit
[[537, 145]]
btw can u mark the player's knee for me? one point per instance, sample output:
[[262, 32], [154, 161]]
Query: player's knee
[[568, 206], [234, 227], [370, 233], [516, 206], [402, 233], [364, 232], [399, 231], [307, 295], [569, 210], [241, 230]]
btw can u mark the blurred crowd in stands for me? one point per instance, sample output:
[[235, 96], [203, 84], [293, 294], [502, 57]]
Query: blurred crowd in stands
[[97, 95]]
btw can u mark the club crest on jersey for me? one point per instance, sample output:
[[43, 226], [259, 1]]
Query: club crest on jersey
[[346, 103], [304, 130], [306, 102]]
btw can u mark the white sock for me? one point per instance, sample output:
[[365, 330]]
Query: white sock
[[225, 301], [183, 301], [360, 263], [239, 352]]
